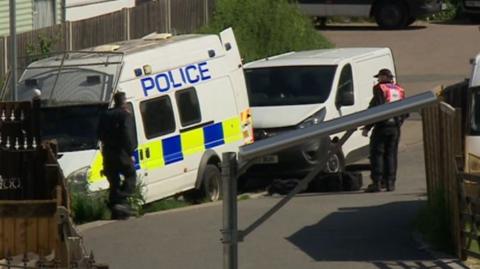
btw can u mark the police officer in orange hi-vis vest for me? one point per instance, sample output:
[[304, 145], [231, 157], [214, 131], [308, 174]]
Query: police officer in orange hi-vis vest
[[385, 135]]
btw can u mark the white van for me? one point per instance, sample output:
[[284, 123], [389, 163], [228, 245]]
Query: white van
[[299, 89], [187, 94], [472, 137]]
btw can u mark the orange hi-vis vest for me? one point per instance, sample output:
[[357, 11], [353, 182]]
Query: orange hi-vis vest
[[392, 92]]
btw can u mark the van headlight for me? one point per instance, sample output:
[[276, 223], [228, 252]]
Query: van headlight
[[315, 119], [78, 180], [473, 164]]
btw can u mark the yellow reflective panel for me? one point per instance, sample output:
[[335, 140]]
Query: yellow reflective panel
[[232, 131], [152, 155], [192, 141], [96, 169]]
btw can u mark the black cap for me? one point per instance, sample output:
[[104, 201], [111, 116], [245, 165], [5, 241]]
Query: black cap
[[384, 72]]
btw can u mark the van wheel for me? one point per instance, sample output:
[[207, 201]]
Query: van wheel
[[391, 15], [475, 18], [212, 184], [336, 160], [411, 20]]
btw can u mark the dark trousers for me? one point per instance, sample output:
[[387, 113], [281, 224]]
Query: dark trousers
[[117, 163], [383, 153]]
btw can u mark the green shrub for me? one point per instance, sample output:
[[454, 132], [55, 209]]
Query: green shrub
[[162, 205], [266, 27], [40, 49], [91, 206], [434, 222], [452, 12], [87, 207]]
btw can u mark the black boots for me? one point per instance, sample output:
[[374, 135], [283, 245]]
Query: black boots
[[374, 187], [390, 185], [377, 186]]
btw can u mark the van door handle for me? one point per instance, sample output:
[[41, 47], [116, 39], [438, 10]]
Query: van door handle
[[147, 153], [141, 154]]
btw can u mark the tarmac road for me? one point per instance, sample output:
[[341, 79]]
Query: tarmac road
[[330, 230], [426, 55]]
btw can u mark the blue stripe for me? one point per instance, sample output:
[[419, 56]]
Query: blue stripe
[[172, 149], [137, 159], [213, 135]]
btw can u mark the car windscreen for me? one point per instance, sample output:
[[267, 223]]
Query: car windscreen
[[289, 85], [73, 127]]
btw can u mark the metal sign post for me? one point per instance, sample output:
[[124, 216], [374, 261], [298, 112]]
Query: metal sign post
[[231, 168], [13, 48]]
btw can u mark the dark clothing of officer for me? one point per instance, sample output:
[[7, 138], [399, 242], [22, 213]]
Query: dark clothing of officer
[[384, 142], [117, 133]]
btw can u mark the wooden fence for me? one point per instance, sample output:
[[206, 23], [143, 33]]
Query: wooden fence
[[174, 16], [444, 143], [442, 136]]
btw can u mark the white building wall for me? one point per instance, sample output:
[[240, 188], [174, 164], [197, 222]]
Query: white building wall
[[83, 9]]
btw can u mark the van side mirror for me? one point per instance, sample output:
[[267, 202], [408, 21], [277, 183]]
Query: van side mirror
[[345, 98]]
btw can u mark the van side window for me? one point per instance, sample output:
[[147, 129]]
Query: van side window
[[157, 115], [188, 106], [345, 87]]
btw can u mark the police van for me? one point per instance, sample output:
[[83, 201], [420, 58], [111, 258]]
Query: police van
[[187, 94], [300, 89]]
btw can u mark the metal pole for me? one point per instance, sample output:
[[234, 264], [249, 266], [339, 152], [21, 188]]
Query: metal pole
[[230, 221], [13, 58]]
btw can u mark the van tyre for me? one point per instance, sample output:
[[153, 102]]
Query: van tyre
[[336, 160], [391, 15], [211, 188], [352, 181], [411, 20], [475, 18]]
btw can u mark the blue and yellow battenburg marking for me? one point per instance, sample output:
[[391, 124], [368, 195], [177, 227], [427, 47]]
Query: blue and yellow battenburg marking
[[174, 149]]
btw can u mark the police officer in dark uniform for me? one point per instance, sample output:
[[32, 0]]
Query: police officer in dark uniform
[[117, 133], [385, 135]]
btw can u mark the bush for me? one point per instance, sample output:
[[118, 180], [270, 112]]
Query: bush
[[452, 12], [88, 207], [91, 206], [266, 27]]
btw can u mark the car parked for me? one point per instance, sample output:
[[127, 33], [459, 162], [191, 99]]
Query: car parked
[[389, 14], [301, 89]]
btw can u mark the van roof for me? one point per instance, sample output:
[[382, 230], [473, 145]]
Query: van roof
[[142, 44], [315, 57], [127, 48]]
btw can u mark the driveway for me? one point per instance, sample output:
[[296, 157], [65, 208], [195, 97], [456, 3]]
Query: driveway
[[426, 55]]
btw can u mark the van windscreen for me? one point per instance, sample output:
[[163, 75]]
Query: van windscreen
[[289, 85], [73, 127]]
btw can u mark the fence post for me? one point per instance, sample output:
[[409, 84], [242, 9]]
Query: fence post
[[126, 23], [205, 6], [5, 54], [168, 18], [68, 35], [455, 192], [230, 221]]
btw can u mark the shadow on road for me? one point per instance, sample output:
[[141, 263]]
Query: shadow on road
[[349, 27], [456, 22], [419, 264], [377, 233]]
